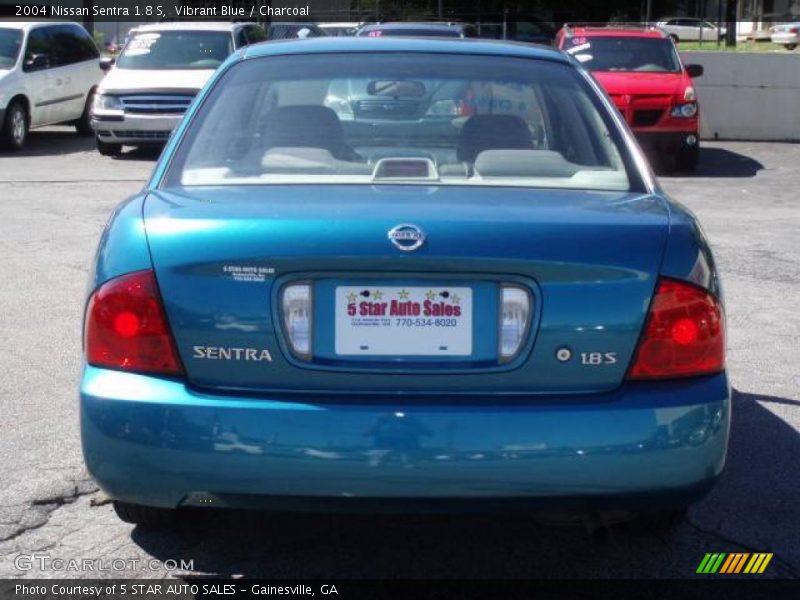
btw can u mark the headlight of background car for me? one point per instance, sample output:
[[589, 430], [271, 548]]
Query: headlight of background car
[[444, 108], [341, 107], [685, 110], [103, 102]]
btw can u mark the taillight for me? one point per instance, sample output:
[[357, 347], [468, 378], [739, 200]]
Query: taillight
[[684, 334], [126, 327]]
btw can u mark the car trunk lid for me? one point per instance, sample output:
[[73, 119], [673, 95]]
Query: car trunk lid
[[588, 259]]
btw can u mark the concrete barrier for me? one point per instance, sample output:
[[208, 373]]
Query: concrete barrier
[[748, 96]]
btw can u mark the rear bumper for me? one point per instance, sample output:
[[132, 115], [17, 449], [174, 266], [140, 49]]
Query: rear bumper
[[157, 442], [668, 142]]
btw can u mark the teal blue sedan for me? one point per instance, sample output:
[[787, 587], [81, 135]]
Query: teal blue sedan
[[405, 274]]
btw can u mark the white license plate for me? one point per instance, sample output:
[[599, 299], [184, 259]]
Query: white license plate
[[403, 321]]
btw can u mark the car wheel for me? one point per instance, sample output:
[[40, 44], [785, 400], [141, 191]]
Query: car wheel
[[790, 46], [688, 159], [149, 517], [107, 149], [83, 125], [674, 38], [15, 126]]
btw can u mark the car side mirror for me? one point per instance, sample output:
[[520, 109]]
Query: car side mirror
[[37, 62], [695, 70], [107, 62]]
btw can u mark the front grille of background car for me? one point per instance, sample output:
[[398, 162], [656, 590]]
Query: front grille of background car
[[141, 135], [645, 118], [156, 104], [387, 109]]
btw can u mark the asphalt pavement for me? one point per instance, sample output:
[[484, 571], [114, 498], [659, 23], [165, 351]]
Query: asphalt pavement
[[54, 200]]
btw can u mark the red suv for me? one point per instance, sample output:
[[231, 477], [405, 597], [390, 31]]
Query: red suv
[[644, 76]]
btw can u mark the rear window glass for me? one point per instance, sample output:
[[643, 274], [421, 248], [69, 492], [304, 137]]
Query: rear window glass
[[396, 118], [176, 50], [597, 53]]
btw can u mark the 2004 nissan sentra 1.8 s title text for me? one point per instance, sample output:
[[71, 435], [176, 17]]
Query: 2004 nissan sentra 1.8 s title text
[[403, 273]]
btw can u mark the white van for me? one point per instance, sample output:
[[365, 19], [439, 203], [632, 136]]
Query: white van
[[156, 77], [48, 73]]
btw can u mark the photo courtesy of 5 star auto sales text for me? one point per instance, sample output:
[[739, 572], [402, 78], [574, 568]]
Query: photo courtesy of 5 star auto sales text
[[399, 298]]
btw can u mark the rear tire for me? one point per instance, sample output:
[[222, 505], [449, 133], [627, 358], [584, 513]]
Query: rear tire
[[688, 159], [790, 46], [148, 517], [658, 522], [108, 149], [84, 125], [14, 133]]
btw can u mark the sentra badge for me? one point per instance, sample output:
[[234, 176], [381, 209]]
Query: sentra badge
[[229, 353]]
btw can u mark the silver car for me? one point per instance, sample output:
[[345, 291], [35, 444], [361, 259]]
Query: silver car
[[786, 34], [156, 77], [686, 29]]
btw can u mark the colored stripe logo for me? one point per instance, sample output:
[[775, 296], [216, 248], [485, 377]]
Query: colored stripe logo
[[736, 562]]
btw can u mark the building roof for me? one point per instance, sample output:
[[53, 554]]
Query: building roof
[[323, 45]]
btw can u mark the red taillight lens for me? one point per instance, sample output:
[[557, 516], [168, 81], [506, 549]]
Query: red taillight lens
[[126, 327], [684, 334]]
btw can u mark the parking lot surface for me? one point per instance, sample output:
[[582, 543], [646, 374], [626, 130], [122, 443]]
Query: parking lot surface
[[54, 200]]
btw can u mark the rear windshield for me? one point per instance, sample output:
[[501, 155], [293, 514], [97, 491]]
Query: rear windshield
[[176, 50], [10, 43], [656, 55], [402, 118]]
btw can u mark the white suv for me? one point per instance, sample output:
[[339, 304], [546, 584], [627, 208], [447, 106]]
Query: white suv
[[48, 73], [156, 77]]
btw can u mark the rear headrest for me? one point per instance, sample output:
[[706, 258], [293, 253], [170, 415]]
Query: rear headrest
[[523, 163], [492, 132], [303, 127]]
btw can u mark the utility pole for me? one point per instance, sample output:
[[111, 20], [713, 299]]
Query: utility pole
[[88, 21], [731, 12], [441, 9]]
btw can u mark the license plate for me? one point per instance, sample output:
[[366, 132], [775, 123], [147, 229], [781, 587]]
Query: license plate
[[403, 321]]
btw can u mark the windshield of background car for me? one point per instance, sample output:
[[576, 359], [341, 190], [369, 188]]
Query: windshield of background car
[[411, 32], [176, 50], [10, 43], [402, 118], [655, 55], [343, 31]]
